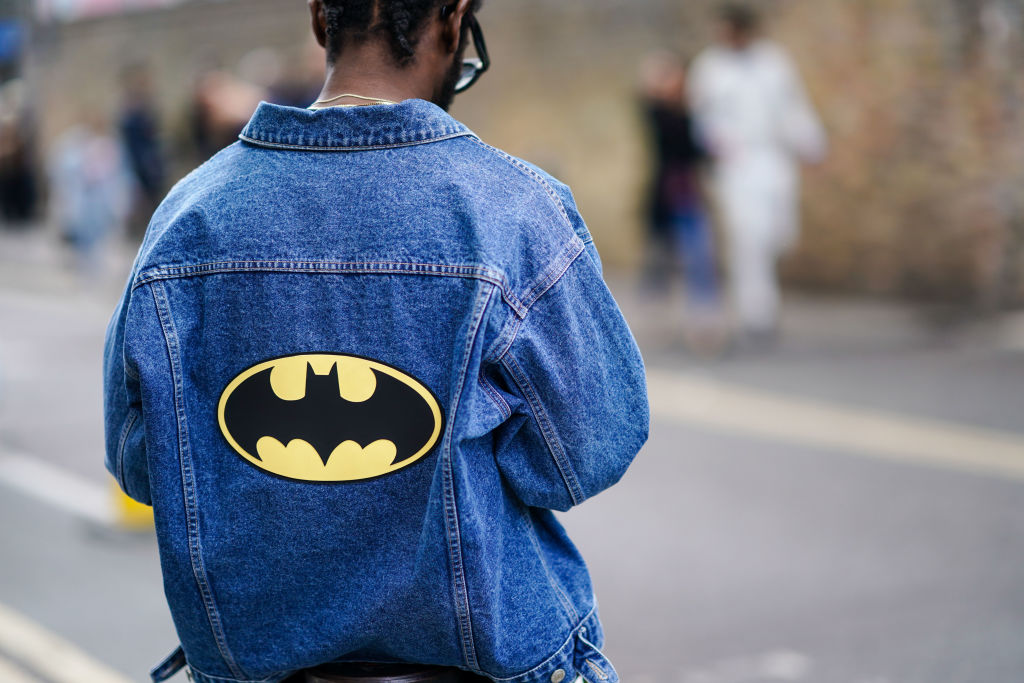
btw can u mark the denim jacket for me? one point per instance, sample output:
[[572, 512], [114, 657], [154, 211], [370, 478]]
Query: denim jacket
[[360, 359]]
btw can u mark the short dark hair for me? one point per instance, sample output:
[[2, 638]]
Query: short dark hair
[[401, 20], [740, 17]]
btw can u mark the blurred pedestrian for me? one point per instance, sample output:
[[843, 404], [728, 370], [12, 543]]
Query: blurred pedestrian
[[221, 106], [679, 229], [19, 174], [758, 124], [90, 190], [140, 134]]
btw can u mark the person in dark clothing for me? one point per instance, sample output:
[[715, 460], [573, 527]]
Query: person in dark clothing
[[139, 128], [680, 232]]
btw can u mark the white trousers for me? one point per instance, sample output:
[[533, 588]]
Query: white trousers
[[759, 211]]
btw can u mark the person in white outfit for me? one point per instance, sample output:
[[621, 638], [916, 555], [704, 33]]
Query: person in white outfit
[[758, 124]]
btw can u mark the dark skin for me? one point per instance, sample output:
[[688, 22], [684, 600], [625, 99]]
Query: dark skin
[[369, 68]]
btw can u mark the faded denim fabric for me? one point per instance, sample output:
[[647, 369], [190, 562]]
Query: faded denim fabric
[[388, 233]]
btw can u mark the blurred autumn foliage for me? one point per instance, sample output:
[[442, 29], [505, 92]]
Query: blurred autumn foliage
[[922, 194]]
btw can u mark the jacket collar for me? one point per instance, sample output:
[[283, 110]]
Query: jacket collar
[[411, 122]]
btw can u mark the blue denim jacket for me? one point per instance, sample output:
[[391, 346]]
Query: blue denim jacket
[[361, 357]]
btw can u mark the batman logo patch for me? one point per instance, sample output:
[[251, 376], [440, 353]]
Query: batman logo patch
[[329, 417]]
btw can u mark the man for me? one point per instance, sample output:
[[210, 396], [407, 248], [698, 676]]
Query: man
[[758, 125], [361, 357]]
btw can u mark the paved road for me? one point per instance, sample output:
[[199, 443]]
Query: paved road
[[733, 552]]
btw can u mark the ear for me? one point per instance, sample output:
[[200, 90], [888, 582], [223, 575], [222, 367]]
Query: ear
[[319, 18], [451, 29]]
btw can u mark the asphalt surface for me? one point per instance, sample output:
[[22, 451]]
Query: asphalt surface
[[722, 557]]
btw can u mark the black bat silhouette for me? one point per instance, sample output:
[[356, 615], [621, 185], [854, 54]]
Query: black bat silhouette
[[323, 419]]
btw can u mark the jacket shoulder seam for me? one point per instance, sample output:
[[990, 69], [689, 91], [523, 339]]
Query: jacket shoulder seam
[[556, 273], [532, 175]]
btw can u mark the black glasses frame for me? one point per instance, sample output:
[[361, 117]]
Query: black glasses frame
[[472, 69]]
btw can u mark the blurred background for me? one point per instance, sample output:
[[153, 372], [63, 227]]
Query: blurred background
[[834, 486]]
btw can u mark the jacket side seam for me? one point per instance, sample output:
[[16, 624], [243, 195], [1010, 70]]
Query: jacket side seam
[[354, 148], [126, 430], [496, 399], [128, 369], [189, 483], [531, 531], [459, 584], [540, 415]]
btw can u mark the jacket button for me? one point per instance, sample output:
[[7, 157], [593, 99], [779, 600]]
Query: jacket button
[[558, 676]]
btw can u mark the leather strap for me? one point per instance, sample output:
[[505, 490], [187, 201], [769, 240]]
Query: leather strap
[[171, 665]]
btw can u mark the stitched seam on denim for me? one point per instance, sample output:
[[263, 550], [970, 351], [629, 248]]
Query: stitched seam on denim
[[597, 670], [513, 334], [596, 649], [126, 429], [335, 268], [188, 482], [547, 429], [352, 148], [460, 586], [555, 585], [536, 177], [496, 399], [554, 272], [572, 636]]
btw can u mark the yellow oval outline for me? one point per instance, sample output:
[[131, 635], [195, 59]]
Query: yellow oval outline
[[408, 380]]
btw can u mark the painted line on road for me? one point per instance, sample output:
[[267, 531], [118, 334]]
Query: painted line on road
[[11, 673], [48, 654], [58, 487], [920, 441], [780, 665]]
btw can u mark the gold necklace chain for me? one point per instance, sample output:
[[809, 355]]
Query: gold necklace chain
[[369, 101]]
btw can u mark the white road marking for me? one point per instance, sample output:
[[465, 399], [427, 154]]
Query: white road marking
[[10, 673], [781, 665], [49, 655], [58, 487], [763, 414]]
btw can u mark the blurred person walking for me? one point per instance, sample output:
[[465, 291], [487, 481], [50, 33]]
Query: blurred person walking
[[680, 232], [361, 357], [758, 124], [139, 125], [19, 165], [90, 190]]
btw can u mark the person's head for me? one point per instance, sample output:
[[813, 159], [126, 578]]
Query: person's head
[[740, 24], [424, 38], [663, 78]]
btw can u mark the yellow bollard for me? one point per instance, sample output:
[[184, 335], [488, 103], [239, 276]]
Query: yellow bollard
[[129, 514]]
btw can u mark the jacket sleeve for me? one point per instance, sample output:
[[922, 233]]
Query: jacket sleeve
[[578, 390], [122, 407]]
